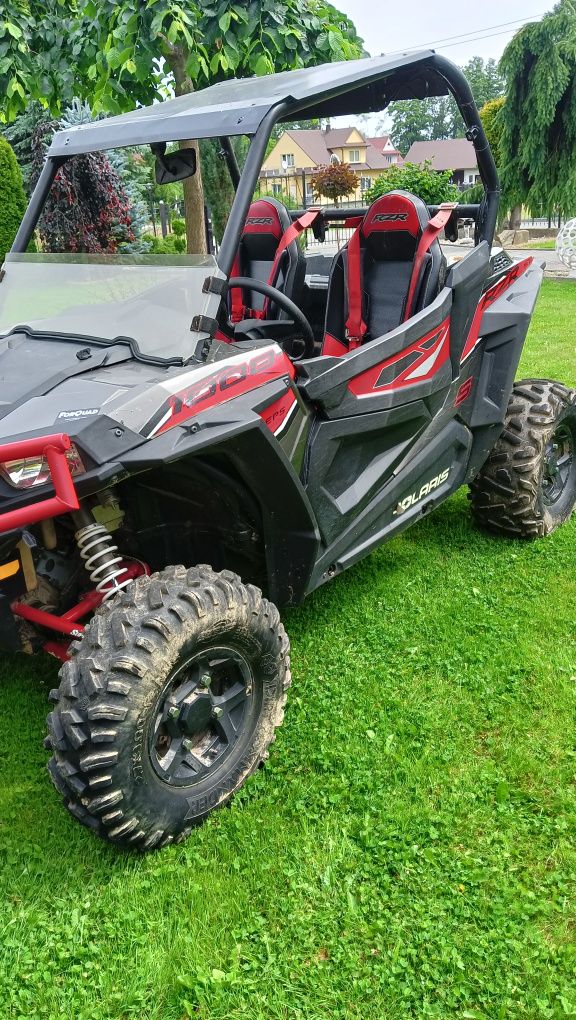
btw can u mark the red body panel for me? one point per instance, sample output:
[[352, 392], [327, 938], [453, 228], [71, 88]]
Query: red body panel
[[437, 354], [489, 298], [226, 382]]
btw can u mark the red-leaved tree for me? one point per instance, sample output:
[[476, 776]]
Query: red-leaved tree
[[87, 209], [334, 181]]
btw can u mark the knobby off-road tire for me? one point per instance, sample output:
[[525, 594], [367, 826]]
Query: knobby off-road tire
[[527, 487], [168, 703]]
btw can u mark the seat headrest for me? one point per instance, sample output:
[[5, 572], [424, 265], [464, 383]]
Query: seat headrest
[[266, 216], [397, 210]]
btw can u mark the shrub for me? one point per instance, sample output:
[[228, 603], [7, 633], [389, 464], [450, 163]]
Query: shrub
[[179, 227], [12, 197], [169, 245], [432, 186]]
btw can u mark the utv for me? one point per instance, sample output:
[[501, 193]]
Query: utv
[[178, 433]]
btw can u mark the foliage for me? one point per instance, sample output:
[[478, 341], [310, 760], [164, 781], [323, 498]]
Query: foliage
[[121, 161], [432, 186], [491, 117], [408, 851], [172, 244], [417, 120], [87, 209], [111, 53], [20, 134], [12, 197], [538, 148], [217, 182], [178, 227], [118, 54], [336, 180]]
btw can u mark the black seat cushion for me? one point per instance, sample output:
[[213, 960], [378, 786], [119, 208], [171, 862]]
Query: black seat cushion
[[390, 232]]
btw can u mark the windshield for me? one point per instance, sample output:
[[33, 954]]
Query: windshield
[[150, 299]]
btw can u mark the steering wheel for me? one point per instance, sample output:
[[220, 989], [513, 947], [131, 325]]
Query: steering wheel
[[285, 303]]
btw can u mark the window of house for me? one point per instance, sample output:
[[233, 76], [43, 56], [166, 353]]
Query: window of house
[[288, 159], [365, 183], [354, 156], [276, 189]]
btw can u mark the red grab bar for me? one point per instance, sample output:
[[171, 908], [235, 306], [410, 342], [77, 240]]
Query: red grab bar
[[54, 448]]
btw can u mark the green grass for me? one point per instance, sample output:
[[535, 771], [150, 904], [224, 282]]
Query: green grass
[[409, 850], [545, 243]]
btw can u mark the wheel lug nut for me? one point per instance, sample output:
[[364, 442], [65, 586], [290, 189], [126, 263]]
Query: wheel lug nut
[[205, 680], [173, 712], [217, 712], [187, 744]]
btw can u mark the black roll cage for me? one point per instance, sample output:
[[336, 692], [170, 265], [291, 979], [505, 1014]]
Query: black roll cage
[[439, 69]]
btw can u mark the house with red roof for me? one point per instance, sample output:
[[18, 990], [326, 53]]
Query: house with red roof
[[288, 169]]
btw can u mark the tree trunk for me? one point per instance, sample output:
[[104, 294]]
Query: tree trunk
[[193, 189], [516, 218]]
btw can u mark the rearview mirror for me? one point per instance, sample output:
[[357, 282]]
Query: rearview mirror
[[173, 166]]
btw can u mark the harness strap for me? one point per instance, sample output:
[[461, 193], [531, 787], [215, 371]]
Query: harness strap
[[355, 325], [237, 309], [427, 238], [289, 235]]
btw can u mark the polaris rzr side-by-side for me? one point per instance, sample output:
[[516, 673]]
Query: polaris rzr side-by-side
[[179, 433]]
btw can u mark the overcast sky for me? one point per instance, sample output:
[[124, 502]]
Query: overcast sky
[[413, 24], [387, 27]]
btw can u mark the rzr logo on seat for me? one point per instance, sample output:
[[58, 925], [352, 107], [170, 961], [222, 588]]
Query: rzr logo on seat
[[390, 217], [415, 497], [258, 221]]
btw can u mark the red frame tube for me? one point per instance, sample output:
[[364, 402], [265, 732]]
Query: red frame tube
[[67, 623], [65, 500]]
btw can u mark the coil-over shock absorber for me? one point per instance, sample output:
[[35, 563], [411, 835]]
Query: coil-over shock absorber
[[101, 556]]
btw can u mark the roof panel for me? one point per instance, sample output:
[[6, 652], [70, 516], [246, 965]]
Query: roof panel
[[238, 106]]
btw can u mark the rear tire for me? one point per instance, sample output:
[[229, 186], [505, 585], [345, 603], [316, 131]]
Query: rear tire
[[527, 487], [168, 703]]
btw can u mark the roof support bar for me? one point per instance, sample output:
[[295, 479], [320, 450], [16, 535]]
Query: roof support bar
[[36, 204], [246, 187], [460, 89], [231, 163]]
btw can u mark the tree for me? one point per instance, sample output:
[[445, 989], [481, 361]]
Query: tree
[[411, 123], [118, 54], [87, 209], [485, 80], [20, 134], [12, 197], [538, 145], [491, 117], [415, 120], [336, 180], [217, 182], [431, 186]]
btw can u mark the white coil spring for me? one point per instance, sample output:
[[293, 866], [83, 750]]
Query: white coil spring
[[101, 560]]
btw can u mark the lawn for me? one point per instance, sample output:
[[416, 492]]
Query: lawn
[[545, 243], [409, 850]]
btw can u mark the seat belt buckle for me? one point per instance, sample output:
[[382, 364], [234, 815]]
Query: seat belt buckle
[[352, 341]]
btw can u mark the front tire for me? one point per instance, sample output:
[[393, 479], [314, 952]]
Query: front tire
[[168, 704], [527, 487]]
